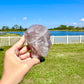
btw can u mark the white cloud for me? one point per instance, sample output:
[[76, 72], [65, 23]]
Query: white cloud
[[80, 23], [82, 20], [24, 18], [74, 23]]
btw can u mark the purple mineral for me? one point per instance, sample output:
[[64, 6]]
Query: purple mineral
[[38, 40]]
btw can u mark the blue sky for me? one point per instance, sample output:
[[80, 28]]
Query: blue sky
[[50, 13]]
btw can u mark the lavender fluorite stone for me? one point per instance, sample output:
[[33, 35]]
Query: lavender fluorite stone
[[38, 40]]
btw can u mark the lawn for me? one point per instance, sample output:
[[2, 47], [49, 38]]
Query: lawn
[[63, 65], [9, 34]]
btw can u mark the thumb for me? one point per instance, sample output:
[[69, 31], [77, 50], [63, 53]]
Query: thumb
[[37, 60], [31, 62], [20, 43], [34, 61]]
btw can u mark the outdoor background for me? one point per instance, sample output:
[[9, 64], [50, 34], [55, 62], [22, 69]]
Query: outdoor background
[[64, 19]]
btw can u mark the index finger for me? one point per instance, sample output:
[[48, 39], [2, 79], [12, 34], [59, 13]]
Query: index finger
[[24, 50]]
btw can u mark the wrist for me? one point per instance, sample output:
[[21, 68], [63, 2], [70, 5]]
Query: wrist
[[7, 80]]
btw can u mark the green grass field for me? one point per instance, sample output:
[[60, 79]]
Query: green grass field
[[9, 34], [63, 65]]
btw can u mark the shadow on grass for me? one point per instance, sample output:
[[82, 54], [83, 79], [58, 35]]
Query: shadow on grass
[[1, 49]]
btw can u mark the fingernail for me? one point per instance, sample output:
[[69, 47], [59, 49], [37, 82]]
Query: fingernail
[[42, 59]]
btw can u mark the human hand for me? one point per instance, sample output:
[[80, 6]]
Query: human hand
[[17, 63]]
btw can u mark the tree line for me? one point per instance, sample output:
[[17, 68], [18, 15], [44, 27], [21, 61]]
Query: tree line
[[13, 28], [61, 27], [64, 27]]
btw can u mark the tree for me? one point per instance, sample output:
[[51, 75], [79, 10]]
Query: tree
[[16, 26], [82, 28], [13, 28], [21, 28], [77, 28], [5, 28], [58, 28], [70, 27], [63, 27]]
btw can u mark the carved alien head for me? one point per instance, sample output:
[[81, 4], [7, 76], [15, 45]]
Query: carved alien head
[[38, 40]]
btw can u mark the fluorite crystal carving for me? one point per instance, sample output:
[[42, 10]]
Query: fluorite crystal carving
[[38, 40]]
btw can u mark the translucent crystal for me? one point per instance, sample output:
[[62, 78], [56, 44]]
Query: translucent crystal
[[38, 40]]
